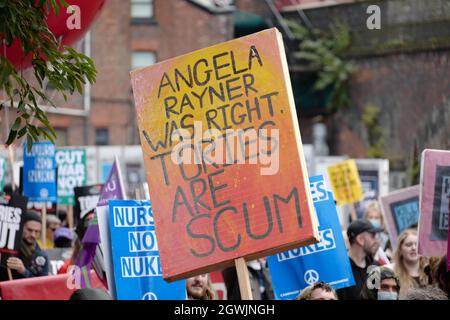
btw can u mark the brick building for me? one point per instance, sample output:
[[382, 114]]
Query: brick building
[[402, 69]]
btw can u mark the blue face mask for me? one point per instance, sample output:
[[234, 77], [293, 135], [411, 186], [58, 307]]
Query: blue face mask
[[376, 223], [383, 295]]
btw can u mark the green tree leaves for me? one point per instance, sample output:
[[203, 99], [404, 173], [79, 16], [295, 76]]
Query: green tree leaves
[[64, 68], [324, 53]]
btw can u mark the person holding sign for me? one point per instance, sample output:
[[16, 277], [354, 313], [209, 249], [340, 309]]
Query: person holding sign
[[364, 243], [32, 261], [200, 288], [408, 264]]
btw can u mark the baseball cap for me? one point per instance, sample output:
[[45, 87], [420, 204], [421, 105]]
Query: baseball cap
[[360, 226], [63, 233], [31, 216]]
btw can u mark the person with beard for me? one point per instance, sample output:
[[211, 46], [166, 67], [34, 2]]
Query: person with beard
[[364, 243], [31, 260], [200, 288]]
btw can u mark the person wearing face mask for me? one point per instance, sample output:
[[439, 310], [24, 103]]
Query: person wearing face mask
[[410, 267], [374, 215], [381, 284], [363, 240]]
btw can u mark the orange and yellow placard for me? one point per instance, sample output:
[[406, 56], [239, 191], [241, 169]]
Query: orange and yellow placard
[[252, 199], [345, 182]]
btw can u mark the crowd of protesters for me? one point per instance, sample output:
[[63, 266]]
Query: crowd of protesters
[[409, 276]]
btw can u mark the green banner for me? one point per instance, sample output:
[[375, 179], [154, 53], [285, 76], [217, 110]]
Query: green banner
[[72, 172]]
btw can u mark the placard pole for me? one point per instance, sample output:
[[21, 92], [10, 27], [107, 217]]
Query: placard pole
[[44, 225], [244, 279]]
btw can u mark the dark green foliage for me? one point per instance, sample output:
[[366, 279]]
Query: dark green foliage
[[66, 70]]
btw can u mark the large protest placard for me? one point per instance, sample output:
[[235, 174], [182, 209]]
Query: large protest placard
[[11, 226], [39, 172], [72, 173], [86, 199], [400, 210], [374, 177], [137, 265], [434, 202], [327, 261], [345, 182], [56, 258], [236, 184], [113, 189]]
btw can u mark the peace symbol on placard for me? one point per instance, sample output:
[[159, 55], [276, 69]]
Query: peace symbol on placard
[[311, 276], [149, 296]]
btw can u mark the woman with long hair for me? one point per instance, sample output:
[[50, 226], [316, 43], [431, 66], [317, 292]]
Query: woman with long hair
[[408, 265]]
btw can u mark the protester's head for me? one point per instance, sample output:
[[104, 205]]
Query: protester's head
[[200, 287], [32, 225], [318, 291], [63, 238], [53, 223], [406, 254], [373, 214], [442, 276], [426, 293], [83, 224], [381, 284], [90, 294], [407, 247], [62, 215], [361, 233]]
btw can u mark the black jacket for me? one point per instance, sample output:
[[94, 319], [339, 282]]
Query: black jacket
[[37, 267]]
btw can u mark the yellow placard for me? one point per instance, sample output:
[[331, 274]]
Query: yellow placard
[[345, 182]]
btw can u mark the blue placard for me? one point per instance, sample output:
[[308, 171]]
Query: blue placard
[[327, 261], [39, 172], [137, 267]]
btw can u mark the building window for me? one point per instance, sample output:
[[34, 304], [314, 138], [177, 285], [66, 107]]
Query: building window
[[101, 137], [140, 59], [141, 9]]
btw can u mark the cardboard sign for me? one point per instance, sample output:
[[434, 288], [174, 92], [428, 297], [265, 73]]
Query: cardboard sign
[[39, 172], [56, 258], [86, 199], [400, 210], [113, 189], [434, 202], [345, 182], [374, 177], [71, 173], [236, 184], [11, 227], [137, 266], [294, 270]]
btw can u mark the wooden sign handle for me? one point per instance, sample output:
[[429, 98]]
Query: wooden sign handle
[[44, 225], [353, 212], [70, 216], [244, 279], [9, 274], [138, 194]]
